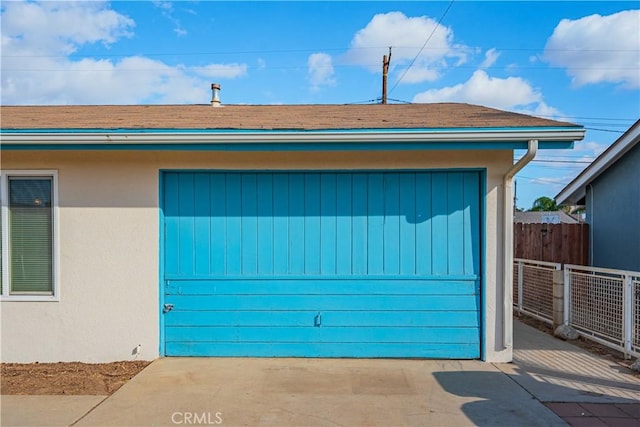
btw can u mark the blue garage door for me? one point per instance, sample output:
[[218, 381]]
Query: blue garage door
[[326, 264]]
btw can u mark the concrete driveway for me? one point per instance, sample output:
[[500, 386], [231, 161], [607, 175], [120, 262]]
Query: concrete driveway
[[582, 388], [321, 392]]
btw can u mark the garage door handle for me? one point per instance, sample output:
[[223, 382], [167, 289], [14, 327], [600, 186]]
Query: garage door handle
[[317, 321], [167, 308]]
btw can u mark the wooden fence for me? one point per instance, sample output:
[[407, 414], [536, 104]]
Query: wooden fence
[[563, 243]]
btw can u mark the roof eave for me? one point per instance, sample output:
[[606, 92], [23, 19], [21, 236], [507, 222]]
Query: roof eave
[[184, 136], [576, 190]]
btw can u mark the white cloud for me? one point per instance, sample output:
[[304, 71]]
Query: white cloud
[[406, 35], [164, 5], [511, 93], [540, 109], [490, 58], [167, 10], [38, 39], [320, 70], [597, 49], [60, 27]]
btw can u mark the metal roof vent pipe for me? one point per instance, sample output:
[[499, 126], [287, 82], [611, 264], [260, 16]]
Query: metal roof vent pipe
[[215, 99]]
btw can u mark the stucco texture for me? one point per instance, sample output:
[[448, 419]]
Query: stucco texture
[[109, 245]]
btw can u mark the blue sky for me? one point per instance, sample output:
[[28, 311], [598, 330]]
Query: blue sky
[[574, 61]]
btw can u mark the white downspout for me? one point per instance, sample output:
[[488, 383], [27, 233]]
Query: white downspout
[[507, 244]]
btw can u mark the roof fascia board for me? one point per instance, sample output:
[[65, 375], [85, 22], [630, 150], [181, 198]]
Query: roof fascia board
[[225, 137], [284, 131], [577, 189], [347, 146]]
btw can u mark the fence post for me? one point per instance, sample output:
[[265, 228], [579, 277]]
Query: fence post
[[567, 294], [558, 298], [627, 315], [520, 284]]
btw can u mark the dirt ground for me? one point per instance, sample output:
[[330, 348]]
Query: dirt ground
[[591, 346], [72, 378]]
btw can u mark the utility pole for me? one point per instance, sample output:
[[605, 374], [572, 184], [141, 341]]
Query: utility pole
[[386, 60]]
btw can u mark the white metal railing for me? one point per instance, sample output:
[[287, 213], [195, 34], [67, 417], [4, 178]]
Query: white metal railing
[[635, 340], [533, 288], [603, 305]]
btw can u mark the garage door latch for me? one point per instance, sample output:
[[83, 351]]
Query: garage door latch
[[167, 308], [317, 321]]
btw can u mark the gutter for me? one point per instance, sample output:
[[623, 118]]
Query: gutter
[[507, 243], [182, 136]]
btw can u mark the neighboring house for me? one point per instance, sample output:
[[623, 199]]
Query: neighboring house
[[609, 188], [311, 231], [544, 217]]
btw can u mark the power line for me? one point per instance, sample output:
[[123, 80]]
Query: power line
[[304, 67], [622, 121], [400, 101], [568, 168], [606, 130], [561, 161], [543, 180], [622, 125], [564, 156], [585, 118], [435, 28], [370, 101], [324, 49]]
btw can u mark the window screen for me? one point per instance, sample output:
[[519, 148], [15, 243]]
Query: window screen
[[30, 235]]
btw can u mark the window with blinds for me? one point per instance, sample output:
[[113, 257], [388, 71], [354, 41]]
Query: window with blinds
[[27, 235]]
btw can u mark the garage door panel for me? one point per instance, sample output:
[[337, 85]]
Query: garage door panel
[[423, 225], [361, 250], [268, 349], [324, 334], [296, 225], [323, 302], [202, 223], [375, 222], [412, 223], [391, 224], [265, 224], [281, 224], [455, 222], [171, 211], [232, 225], [471, 231], [319, 286], [187, 232], [440, 219], [347, 318], [217, 220], [328, 235], [359, 237], [249, 225], [407, 229], [311, 236]]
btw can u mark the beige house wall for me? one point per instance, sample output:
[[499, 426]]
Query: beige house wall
[[109, 245]]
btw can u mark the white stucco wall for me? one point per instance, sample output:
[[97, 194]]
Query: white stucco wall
[[109, 247]]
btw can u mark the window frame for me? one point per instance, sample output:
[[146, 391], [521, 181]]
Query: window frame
[[6, 294]]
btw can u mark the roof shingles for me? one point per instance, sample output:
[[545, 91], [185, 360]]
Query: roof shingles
[[267, 117]]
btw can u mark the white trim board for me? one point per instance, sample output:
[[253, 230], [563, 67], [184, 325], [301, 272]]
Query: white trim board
[[576, 189]]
